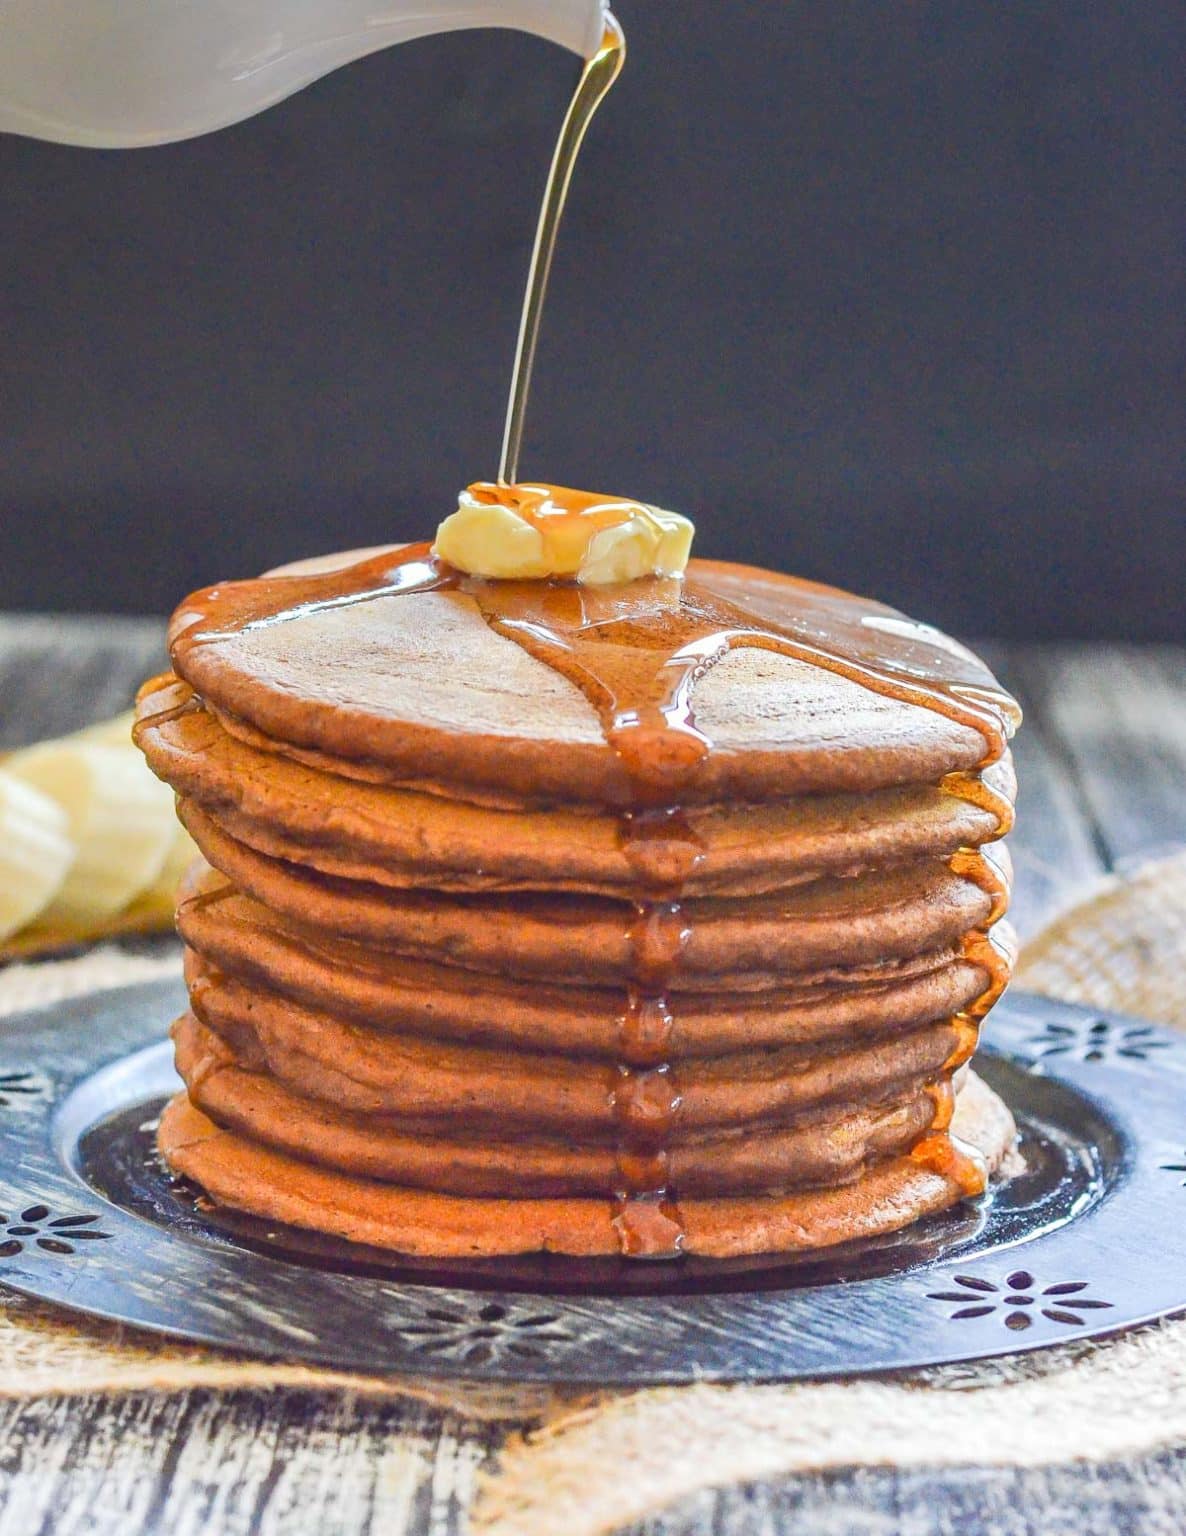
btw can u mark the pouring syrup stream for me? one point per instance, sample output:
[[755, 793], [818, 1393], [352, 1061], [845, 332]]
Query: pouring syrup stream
[[599, 74]]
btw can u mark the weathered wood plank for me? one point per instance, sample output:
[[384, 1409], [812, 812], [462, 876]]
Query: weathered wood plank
[[234, 1464], [1145, 1497], [57, 1469], [1117, 715], [1056, 855], [57, 674], [253, 1464]]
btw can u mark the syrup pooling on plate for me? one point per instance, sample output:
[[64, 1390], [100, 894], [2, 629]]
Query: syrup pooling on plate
[[636, 652]]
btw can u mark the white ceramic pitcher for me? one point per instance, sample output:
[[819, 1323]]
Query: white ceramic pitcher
[[120, 73]]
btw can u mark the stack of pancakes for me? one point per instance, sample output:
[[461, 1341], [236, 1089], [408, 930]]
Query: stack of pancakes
[[409, 945]]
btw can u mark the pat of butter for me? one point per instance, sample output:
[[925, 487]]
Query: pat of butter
[[530, 532]]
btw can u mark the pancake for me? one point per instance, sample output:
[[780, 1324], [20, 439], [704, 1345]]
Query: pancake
[[893, 913], [241, 1172], [832, 1147], [402, 838], [343, 1064], [241, 938], [651, 919], [425, 693]]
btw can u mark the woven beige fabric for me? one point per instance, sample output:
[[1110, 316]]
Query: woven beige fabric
[[1124, 947]]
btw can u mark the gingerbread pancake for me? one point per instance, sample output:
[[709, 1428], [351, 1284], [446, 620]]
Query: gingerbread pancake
[[428, 692], [399, 837]]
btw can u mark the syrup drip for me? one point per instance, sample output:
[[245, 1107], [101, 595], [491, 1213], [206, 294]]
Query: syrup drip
[[164, 682], [945, 1154], [663, 850], [644, 1092], [205, 899], [636, 652]]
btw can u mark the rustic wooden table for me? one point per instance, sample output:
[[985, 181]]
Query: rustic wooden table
[[1102, 762]]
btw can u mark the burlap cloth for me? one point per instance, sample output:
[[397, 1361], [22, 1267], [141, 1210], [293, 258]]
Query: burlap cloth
[[1124, 947]]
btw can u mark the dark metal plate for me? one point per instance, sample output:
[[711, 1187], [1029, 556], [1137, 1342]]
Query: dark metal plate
[[1089, 1240]]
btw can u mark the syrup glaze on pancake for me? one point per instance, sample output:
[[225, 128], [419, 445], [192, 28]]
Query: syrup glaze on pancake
[[637, 653]]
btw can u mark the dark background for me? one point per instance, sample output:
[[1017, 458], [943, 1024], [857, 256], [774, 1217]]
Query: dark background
[[886, 294]]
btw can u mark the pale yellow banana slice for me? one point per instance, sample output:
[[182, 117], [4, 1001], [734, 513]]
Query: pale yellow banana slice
[[116, 732], [120, 819], [35, 853], [162, 893]]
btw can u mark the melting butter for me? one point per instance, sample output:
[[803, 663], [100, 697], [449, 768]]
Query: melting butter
[[531, 532]]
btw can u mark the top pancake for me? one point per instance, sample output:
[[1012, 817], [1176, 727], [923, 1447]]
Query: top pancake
[[417, 689]]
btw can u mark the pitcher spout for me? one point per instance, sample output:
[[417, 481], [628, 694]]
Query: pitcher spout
[[122, 73]]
